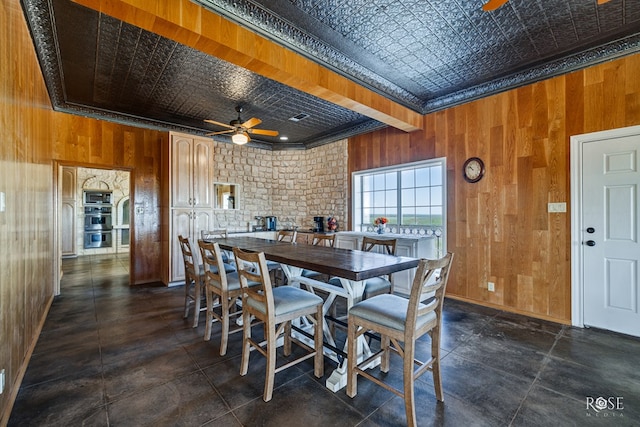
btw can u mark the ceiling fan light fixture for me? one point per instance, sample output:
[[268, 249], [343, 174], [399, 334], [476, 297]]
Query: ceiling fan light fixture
[[240, 138]]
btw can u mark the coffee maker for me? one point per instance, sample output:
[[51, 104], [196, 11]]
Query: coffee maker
[[271, 223], [318, 224]]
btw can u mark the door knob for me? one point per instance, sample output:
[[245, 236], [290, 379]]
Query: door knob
[[591, 230], [590, 243]]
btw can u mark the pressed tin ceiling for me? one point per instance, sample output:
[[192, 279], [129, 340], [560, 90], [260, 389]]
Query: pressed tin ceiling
[[423, 54]]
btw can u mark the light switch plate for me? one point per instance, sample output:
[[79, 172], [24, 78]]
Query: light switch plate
[[3, 206], [2, 381], [557, 207]]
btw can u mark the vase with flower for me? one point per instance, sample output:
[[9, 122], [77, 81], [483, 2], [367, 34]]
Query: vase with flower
[[380, 224], [332, 224]]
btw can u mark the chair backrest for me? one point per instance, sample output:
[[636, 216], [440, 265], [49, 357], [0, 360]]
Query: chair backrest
[[214, 234], [189, 258], [214, 271], [429, 283], [262, 293], [287, 236], [323, 240], [389, 245]]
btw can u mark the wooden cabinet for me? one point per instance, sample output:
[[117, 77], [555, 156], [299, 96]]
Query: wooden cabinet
[[186, 223], [407, 245], [191, 201], [191, 172], [68, 197]]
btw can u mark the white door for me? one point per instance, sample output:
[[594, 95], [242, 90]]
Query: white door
[[610, 217]]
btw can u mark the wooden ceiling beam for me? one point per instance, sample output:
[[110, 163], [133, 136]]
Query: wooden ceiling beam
[[194, 26]]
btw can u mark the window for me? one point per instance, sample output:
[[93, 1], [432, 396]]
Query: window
[[410, 196]]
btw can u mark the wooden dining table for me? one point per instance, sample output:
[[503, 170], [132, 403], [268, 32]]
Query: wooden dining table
[[352, 267]]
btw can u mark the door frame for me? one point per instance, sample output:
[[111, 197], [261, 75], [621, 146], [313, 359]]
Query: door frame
[[57, 215], [577, 248]]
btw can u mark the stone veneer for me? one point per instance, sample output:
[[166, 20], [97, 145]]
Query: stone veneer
[[101, 179], [293, 185]]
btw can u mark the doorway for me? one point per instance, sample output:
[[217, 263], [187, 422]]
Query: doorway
[[605, 180], [87, 225]]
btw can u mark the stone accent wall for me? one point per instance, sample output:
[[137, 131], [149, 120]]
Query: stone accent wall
[[295, 186], [328, 182], [116, 181]]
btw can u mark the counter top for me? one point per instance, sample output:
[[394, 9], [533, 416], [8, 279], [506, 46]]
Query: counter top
[[386, 235]]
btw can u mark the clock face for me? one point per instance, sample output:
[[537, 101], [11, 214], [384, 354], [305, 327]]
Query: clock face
[[473, 169]]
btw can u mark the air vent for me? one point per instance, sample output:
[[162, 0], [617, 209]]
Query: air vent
[[298, 117]]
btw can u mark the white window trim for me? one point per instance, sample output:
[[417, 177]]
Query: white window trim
[[439, 160]]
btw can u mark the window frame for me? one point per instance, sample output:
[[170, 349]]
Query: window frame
[[408, 229]]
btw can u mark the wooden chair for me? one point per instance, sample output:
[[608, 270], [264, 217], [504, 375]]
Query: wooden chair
[[193, 277], [375, 285], [218, 233], [222, 286], [276, 307], [383, 284], [287, 236], [275, 271], [400, 320], [320, 239]]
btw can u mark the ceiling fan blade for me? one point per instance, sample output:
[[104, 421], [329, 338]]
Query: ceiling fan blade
[[251, 123], [213, 122], [263, 132], [493, 5], [219, 133], [603, 1]]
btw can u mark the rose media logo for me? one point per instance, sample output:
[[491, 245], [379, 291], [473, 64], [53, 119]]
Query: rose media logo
[[605, 407]]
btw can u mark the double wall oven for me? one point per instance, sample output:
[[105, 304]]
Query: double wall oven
[[98, 226]]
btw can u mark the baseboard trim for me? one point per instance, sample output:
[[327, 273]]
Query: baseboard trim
[[15, 387], [511, 310]]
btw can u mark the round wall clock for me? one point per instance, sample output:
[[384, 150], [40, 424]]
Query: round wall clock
[[473, 169]]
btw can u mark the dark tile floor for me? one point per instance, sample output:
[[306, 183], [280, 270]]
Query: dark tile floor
[[111, 355]]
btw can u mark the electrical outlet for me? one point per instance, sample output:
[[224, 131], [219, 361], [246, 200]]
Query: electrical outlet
[[491, 287], [2, 381]]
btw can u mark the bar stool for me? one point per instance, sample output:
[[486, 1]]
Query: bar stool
[[220, 285], [320, 239], [193, 277], [275, 271], [218, 233], [400, 320], [276, 307]]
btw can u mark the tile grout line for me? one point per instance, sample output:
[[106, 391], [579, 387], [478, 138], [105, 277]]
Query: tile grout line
[[545, 362]]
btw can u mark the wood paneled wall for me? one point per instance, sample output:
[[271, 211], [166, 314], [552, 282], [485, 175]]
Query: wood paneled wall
[[499, 228], [34, 140]]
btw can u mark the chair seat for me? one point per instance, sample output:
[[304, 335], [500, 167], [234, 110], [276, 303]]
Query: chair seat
[[288, 299], [310, 274], [390, 311], [376, 286], [372, 287], [272, 265]]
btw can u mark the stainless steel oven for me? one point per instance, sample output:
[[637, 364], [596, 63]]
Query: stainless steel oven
[[98, 239], [97, 218], [98, 227]]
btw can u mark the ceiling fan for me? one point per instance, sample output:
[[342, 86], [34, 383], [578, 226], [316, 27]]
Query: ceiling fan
[[494, 4], [240, 130]]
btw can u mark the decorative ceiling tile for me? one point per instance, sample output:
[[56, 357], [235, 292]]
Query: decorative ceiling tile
[[424, 54]]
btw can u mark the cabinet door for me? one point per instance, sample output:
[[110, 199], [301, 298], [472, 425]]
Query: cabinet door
[[181, 220], [202, 220], [181, 172], [348, 242], [202, 173], [68, 228], [68, 183], [402, 280]]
